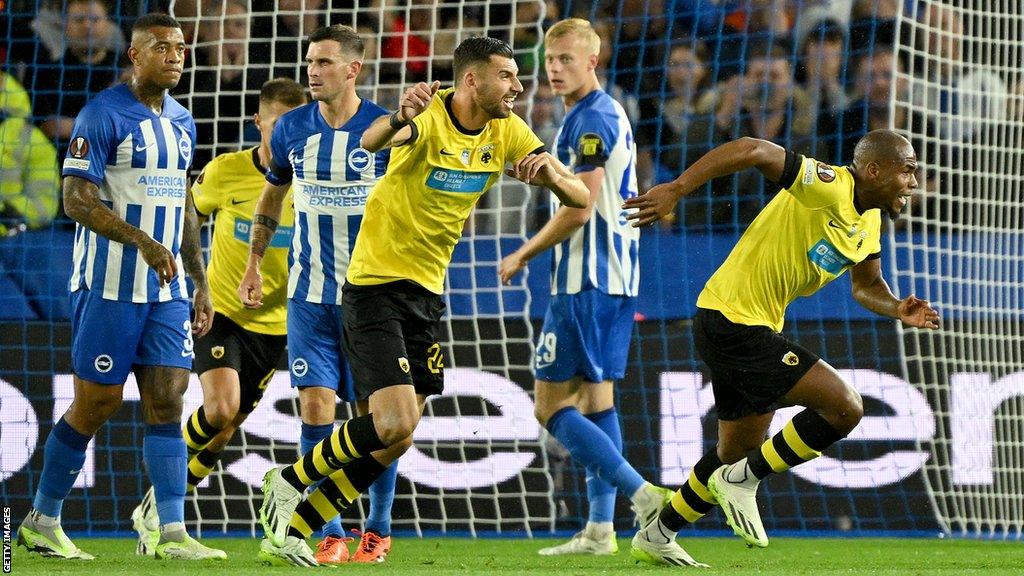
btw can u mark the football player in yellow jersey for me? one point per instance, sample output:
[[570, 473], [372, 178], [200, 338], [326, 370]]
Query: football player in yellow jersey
[[236, 359], [447, 148], [827, 220]]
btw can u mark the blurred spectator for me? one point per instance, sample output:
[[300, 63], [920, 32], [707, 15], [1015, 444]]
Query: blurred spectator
[[754, 23], [667, 118], [872, 23], [636, 45], [966, 95], [822, 73], [221, 89], [29, 179], [405, 44], [50, 27], [87, 66], [763, 102]]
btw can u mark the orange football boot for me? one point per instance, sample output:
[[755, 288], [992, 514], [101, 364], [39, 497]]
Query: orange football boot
[[373, 548], [332, 550]]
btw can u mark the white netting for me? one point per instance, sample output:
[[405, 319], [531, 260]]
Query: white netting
[[478, 463], [964, 251]]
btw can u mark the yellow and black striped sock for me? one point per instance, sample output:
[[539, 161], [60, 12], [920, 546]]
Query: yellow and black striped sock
[[198, 432], [200, 466], [691, 502], [802, 439], [334, 494], [353, 439]]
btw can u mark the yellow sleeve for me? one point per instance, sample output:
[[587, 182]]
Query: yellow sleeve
[[206, 190], [818, 185], [521, 139]]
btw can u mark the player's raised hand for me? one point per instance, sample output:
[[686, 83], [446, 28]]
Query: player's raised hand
[[160, 259], [510, 266], [416, 99], [250, 290], [918, 313], [202, 308], [534, 169], [657, 203]]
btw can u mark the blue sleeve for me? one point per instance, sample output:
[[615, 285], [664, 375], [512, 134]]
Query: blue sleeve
[[195, 141], [280, 170], [93, 141], [593, 136]]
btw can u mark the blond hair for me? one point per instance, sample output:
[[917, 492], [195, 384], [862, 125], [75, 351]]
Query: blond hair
[[577, 27]]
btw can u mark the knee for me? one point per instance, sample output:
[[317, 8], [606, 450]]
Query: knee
[[221, 412], [395, 451], [734, 452], [848, 412], [396, 426], [163, 407], [92, 412]]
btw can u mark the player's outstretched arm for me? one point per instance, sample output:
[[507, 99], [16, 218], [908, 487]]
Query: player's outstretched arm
[[873, 293], [264, 225], [562, 224], [728, 158], [394, 129], [192, 258], [82, 204], [545, 170]]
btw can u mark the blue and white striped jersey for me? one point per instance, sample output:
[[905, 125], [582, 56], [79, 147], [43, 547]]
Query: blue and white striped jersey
[[603, 254], [332, 177], [140, 161]]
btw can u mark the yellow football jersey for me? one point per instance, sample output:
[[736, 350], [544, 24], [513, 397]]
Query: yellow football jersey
[[230, 185], [806, 237], [416, 212]]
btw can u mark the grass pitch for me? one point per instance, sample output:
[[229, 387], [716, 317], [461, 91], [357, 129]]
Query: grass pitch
[[444, 556]]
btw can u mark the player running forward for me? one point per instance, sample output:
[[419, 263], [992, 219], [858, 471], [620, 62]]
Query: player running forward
[[448, 147], [126, 186], [316, 149], [237, 358], [827, 220], [595, 277]]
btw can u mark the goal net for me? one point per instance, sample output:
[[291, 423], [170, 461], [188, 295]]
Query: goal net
[[940, 447], [963, 250]]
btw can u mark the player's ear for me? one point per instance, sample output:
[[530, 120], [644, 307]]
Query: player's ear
[[256, 120], [354, 68], [133, 54]]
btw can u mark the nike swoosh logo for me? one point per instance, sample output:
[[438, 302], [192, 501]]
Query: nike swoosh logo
[[833, 224], [141, 148], [447, 153], [237, 202]]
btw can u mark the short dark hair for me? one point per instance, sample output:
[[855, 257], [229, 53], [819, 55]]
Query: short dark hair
[[155, 20], [476, 50], [283, 90], [346, 36], [768, 49]]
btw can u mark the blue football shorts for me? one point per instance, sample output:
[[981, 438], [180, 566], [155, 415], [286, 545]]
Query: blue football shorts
[[586, 334], [109, 337], [316, 352]]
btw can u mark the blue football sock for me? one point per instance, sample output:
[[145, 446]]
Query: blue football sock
[[589, 445], [166, 457], [63, 456], [311, 435], [382, 496], [600, 493]]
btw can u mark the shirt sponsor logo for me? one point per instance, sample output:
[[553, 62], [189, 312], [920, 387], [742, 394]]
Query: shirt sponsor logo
[[282, 238], [163, 186], [828, 258], [457, 180], [320, 195]]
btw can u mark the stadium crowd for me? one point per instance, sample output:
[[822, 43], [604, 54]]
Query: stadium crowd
[[814, 76]]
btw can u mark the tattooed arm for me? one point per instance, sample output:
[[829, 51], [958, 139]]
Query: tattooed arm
[[192, 258], [264, 224], [82, 203]]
